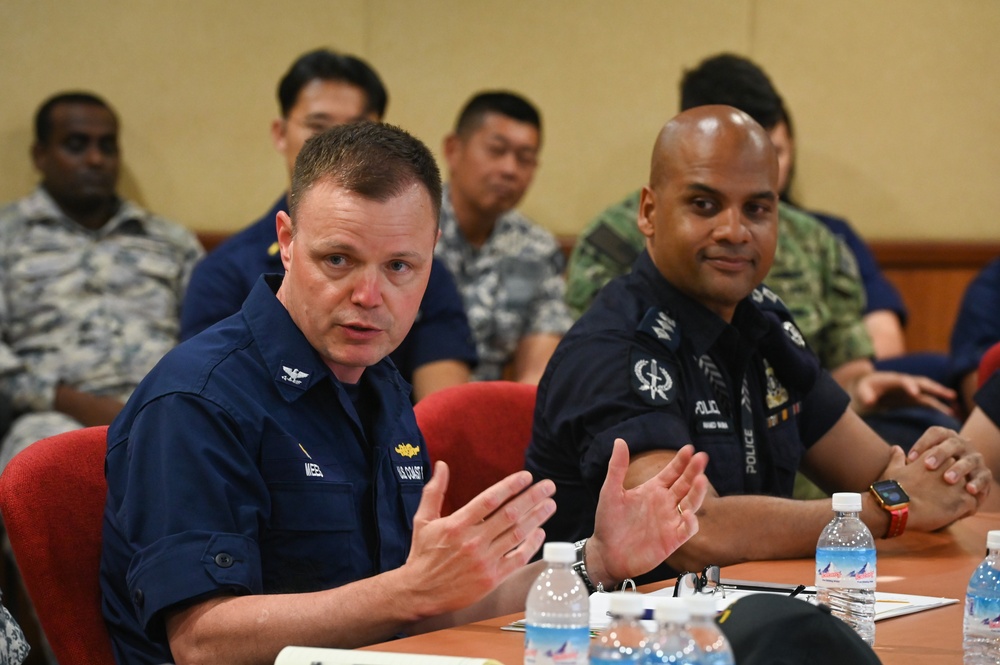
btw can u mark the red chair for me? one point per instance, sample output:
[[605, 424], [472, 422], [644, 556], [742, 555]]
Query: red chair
[[52, 500], [481, 430], [988, 363]]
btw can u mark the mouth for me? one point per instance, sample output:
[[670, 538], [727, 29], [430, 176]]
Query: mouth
[[730, 262], [360, 331]]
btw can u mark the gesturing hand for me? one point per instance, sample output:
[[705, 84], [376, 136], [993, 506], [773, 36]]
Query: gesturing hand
[[636, 529], [456, 560], [892, 389]]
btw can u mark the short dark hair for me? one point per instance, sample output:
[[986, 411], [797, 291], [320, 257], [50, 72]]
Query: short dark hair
[[734, 81], [371, 159], [43, 116], [496, 101], [327, 65]]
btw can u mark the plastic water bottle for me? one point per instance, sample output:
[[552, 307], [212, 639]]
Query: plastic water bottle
[[715, 648], [557, 612], [672, 642], [981, 642], [845, 567], [625, 637]]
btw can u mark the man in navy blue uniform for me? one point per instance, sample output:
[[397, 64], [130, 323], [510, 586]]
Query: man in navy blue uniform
[[267, 483], [322, 89], [689, 348]]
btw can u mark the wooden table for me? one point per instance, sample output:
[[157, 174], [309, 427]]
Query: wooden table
[[934, 564]]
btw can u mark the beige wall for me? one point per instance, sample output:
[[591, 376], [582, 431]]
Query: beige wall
[[896, 102]]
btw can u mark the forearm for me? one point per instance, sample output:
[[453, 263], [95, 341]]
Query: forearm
[[532, 355], [253, 629], [434, 376], [848, 375], [886, 332], [88, 409]]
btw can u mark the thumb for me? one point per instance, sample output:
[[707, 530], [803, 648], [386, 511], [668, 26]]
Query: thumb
[[617, 467], [897, 460]]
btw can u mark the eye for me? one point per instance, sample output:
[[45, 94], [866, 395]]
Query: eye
[[109, 146], [704, 206], [399, 266], [336, 260], [75, 144], [317, 127], [497, 150], [757, 210]]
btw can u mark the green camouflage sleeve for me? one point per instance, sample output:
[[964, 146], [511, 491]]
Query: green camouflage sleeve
[[817, 277], [605, 249]]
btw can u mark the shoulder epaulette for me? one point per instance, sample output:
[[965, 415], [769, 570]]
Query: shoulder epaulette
[[661, 326], [768, 300]]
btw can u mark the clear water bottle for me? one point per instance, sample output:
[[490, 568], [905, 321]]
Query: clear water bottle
[[672, 642], [845, 566], [981, 634], [715, 648], [625, 637], [557, 612]]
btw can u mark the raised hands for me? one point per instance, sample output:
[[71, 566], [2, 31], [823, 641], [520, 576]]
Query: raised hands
[[878, 390], [636, 529]]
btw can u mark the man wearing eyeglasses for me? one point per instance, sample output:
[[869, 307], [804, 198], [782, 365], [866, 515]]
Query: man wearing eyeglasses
[[320, 90], [691, 348]]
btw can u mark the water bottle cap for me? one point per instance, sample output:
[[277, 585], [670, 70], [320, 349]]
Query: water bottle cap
[[993, 540], [626, 603], [559, 552], [672, 610], [701, 605], [847, 502]]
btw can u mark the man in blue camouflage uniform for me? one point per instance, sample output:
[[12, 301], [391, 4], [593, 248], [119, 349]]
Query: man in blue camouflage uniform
[[688, 348], [508, 269], [91, 284]]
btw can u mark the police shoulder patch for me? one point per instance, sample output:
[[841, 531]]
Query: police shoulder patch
[[651, 379], [794, 334], [661, 326]]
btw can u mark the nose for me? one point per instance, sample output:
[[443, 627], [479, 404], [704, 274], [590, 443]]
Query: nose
[[95, 156], [367, 289], [509, 165], [731, 227]]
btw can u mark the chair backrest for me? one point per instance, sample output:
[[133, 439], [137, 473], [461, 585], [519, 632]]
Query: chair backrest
[[481, 430], [989, 363], [52, 500]]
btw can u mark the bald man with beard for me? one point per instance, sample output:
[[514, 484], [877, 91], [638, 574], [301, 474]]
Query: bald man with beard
[[691, 348]]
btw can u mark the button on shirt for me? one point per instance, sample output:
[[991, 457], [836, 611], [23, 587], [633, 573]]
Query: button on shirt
[[512, 286], [650, 365], [241, 466], [92, 308]]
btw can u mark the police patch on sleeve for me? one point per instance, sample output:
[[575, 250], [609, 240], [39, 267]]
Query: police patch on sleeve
[[651, 379], [794, 334], [661, 326]]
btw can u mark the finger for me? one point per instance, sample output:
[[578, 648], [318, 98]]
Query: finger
[[980, 486], [614, 480], [951, 446], [520, 531], [695, 482], [966, 466], [932, 387], [520, 555], [432, 497], [679, 478], [933, 402], [932, 437], [490, 499]]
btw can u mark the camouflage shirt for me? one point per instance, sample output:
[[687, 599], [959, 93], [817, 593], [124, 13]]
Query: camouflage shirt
[[94, 309], [512, 286], [814, 273]]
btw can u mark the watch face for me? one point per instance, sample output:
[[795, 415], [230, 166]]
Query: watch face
[[890, 492]]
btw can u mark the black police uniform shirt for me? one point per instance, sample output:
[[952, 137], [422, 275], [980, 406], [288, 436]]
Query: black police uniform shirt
[[648, 364], [987, 398], [240, 465]]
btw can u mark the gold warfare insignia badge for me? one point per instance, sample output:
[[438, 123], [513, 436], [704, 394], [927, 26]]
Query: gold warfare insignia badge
[[407, 450], [776, 393]]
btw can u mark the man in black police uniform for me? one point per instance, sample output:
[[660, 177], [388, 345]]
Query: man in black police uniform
[[690, 349], [266, 481]]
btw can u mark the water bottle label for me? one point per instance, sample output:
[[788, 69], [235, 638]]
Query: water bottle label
[[556, 646], [845, 569], [983, 613]]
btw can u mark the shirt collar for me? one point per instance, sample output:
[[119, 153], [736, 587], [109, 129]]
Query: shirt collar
[[40, 206], [692, 315]]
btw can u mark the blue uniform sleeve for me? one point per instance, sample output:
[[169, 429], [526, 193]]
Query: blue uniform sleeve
[[881, 294], [189, 500], [977, 326], [217, 290]]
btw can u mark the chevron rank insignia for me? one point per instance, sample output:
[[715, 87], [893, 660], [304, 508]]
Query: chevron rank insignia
[[662, 327]]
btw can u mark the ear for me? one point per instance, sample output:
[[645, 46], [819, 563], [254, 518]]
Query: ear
[[283, 225], [647, 206], [38, 155], [452, 148], [278, 134]]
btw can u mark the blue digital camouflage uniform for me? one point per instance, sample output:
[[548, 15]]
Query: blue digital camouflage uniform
[[512, 286], [13, 647], [94, 309], [813, 272]]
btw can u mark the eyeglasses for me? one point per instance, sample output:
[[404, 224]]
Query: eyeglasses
[[689, 584]]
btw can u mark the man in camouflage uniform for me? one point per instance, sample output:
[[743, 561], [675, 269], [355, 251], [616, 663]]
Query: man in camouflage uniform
[[814, 272], [508, 269], [91, 284]]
